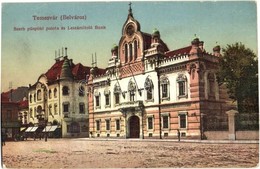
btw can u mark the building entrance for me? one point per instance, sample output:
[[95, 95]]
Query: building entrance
[[134, 125]]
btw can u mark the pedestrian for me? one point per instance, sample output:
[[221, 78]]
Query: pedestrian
[[3, 136], [179, 134]]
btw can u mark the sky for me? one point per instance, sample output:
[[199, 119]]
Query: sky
[[25, 55]]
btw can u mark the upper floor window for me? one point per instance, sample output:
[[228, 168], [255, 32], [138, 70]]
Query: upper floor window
[[66, 107], [34, 97], [149, 88], [39, 94], [107, 97], [126, 53], [132, 90], [182, 83], [81, 108], [55, 93], [30, 97], [135, 50], [117, 91], [50, 94], [130, 52], [65, 90], [97, 99], [81, 90], [165, 87]]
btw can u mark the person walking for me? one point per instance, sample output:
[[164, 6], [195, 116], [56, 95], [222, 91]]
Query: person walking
[[179, 134], [3, 136]]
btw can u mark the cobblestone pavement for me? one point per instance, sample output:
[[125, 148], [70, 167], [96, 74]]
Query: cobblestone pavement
[[90, 153]]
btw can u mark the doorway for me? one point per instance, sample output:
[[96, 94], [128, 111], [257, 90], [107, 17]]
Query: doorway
[[134, 126]]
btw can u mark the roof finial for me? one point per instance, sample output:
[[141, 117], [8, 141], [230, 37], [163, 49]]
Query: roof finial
[[130, 9]]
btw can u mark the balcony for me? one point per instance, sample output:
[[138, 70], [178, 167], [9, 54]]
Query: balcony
[[132, 105]]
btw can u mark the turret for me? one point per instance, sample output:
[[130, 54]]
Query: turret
[[195, 49], [155, 38], [216, 51], [114, 51], [66, 73]]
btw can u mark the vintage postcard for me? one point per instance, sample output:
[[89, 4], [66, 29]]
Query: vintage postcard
[[140, 84]]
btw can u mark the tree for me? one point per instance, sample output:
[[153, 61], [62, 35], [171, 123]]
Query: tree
[[238, 70]]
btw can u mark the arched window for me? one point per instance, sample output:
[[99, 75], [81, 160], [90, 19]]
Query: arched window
[[132, 90], [81, 90], [50, 109], [97, 99], [39, 94], [117, 91], [55, 108], [211, 84], [50, 94], [107, 97], [130, 52], [135, 50], [148, 85], [30, 98], [65, 90], [126, 53], [55, 93], [182, 83], [165, 88], [31, 113]]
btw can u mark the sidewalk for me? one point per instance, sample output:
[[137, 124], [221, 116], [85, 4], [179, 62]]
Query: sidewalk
[[176, 140]]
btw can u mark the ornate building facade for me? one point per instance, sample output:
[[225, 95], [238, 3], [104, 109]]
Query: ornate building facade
[[59, 99], [149, 91]]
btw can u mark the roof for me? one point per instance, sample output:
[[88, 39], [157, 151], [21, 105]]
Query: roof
[[23, 104], [147, 39], [15, 95], [181, 51], [79, 71]]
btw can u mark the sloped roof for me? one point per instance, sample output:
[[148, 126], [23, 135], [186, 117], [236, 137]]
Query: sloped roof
[[181, 51], [23, 104], [78, 71]]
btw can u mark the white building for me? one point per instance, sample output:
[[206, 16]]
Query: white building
[[59, 99]]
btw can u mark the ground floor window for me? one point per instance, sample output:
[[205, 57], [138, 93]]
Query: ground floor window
[[98, 125], [107, 124], [183, 120], [117, 124], [74, 127], [165, 121], [150, 123]]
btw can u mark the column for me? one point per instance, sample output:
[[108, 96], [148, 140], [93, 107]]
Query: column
[[231, 124]]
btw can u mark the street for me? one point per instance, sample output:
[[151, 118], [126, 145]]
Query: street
[[91, 153]]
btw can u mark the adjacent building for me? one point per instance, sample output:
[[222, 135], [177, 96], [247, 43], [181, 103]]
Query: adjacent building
[[150, 91], [58, 99]]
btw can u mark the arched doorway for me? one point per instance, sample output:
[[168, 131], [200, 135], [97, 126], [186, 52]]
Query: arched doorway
[[134, 127]]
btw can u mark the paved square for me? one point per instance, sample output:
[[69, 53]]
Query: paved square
[[90, 153]]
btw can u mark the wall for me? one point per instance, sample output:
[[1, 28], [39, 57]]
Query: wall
[[247, 135], [240, 135]]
